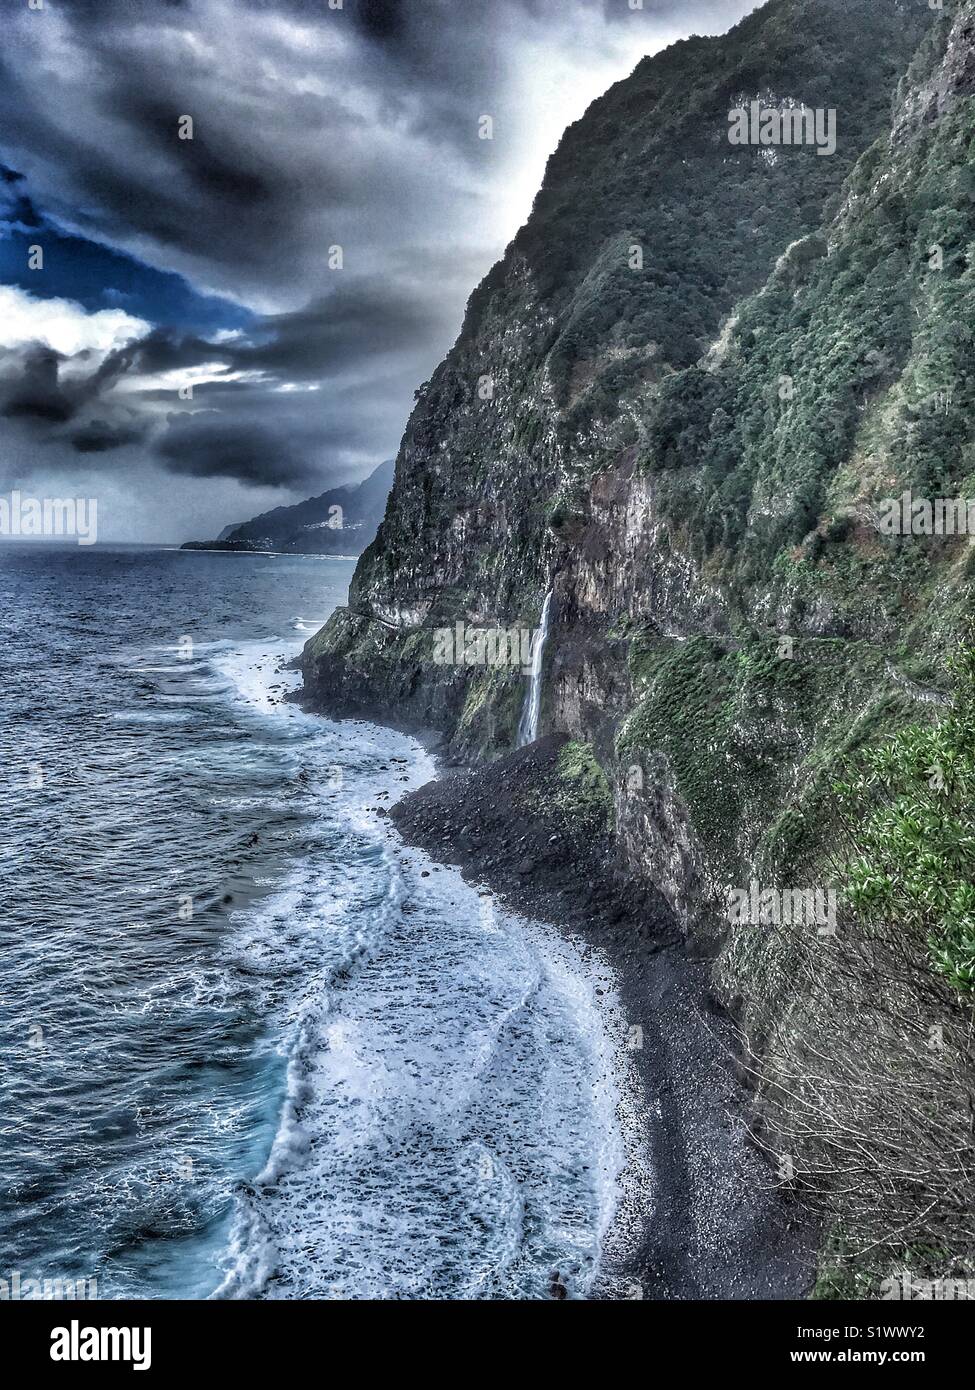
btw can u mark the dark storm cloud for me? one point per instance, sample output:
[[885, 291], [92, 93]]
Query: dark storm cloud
[[34, 388], [380, 19], [310, 342], [34, 392], [294, 435], [16, 209], [311, 125], [100, 436], [213, 446], [284, 402], [312, 128]]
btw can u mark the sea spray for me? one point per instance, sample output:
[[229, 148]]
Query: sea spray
[[455, 1084]]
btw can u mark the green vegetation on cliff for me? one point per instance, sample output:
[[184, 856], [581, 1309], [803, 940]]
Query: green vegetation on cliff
[[733, 718], [909, 819], [706, 367], [570, 339], [848, 378]]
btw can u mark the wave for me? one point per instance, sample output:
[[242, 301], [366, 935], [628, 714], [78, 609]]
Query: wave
[[447, 1120]]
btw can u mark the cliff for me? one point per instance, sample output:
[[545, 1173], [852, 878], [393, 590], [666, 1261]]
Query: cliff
[[680, 403]]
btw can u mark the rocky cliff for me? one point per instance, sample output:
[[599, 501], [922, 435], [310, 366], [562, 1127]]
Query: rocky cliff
[[680, 403]]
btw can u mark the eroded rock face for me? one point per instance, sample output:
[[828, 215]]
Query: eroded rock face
[[657, 839], [689, 457], [575, 439]]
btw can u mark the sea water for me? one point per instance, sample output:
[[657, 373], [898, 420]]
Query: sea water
[[250, 1044]]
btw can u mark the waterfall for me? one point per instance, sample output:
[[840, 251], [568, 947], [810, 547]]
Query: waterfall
[[528, 724]]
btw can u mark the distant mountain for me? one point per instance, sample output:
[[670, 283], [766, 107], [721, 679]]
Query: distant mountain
[[341, 521]]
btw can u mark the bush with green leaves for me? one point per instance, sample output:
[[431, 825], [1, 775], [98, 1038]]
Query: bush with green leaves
[[908, 811]]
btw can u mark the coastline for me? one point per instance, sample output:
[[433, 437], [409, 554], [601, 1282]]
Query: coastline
[[706, 1218], [565, 1103]]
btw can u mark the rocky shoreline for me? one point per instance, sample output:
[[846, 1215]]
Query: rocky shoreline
[[715, 1222]]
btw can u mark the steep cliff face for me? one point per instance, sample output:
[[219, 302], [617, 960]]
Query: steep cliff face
[[679, 404], [521, 458], [660, 406]]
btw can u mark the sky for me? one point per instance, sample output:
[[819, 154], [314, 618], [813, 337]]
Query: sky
[[226, 323]]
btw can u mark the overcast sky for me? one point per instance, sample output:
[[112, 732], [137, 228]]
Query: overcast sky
[[205, 263]]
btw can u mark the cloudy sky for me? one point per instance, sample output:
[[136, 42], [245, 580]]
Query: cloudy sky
[[189, 351]]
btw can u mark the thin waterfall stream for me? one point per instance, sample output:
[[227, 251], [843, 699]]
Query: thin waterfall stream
[[528, 724]]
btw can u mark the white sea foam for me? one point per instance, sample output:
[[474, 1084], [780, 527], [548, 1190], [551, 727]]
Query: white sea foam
[[449, 1126]]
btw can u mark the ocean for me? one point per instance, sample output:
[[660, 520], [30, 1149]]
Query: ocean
[[252, 1046]]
